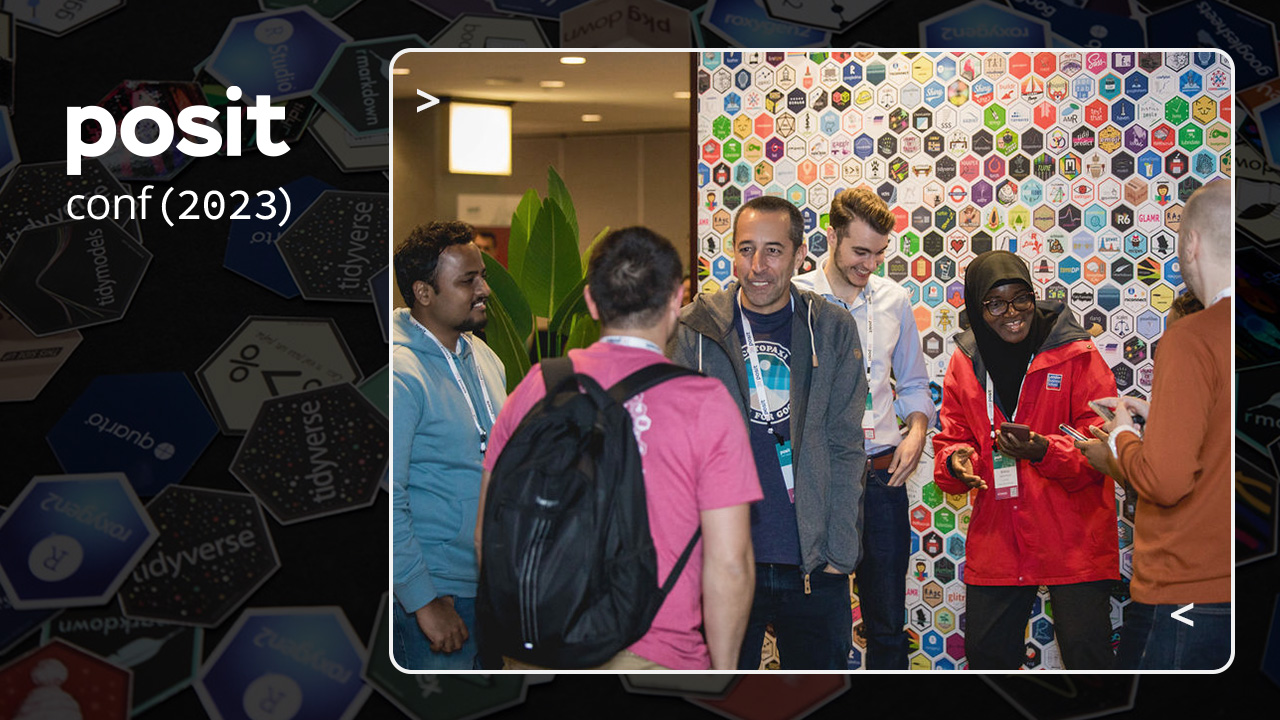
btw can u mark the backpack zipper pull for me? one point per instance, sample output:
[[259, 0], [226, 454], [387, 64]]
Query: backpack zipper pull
[[806, 583]]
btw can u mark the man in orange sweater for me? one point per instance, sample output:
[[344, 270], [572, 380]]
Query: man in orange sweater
[[1180, 465]]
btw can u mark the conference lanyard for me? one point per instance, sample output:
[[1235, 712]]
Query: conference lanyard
[[1004, 469], [632, 341], [753, 359], [457, 377], [868, 418]]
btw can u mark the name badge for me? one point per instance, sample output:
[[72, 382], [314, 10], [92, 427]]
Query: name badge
[[788, 474], [1006, 474]]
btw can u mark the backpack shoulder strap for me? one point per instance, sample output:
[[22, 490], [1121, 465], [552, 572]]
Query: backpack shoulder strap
[[555, 371], [647, 377], [679, 567]]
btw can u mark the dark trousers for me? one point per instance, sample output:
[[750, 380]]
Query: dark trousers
[[882, 574], [1153, 640], [813, 632], [997, 621]]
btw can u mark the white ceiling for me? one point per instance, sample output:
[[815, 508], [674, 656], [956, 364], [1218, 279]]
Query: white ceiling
[[632, 91]]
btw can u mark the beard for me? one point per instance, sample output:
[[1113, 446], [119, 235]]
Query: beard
[[472, 325]]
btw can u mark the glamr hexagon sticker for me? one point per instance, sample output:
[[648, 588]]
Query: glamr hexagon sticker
[[266, 357], [152, 427], [314, 453], [60, 680], [337, 245], [59, 18], [277, 663], [280, 54], [354, 86], [764, 697], [163, 658], [251, 244], [213, 552], [69, 540], [71, 275], [27, 362]]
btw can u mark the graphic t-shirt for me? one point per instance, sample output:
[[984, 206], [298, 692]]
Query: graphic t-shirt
[[693, 451], [774, 533]]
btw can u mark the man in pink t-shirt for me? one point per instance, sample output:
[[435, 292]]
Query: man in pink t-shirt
[[697, 460]]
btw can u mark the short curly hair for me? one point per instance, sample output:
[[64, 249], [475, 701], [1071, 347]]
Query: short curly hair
[[418, 256]]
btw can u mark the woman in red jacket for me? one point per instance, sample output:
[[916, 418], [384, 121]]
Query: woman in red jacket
[[1042, 515]]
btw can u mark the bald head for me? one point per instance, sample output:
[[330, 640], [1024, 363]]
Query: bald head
[[1205, 239], [1209, 213]]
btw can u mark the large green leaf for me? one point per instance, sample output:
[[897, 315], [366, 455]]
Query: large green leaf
[[566, 307], [501, 335], [522, 222], [585, 331], [586, 256], [552, 265], [504, 291], [560, 194]]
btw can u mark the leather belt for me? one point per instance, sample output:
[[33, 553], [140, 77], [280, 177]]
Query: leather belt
[[882, 461]]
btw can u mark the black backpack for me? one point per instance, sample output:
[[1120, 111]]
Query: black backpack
[[568, 574]]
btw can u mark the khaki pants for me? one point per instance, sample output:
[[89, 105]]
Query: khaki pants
[[625, 660]]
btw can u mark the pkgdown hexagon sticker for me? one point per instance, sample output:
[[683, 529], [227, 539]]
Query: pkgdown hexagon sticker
[[315, 453], [337, 245]]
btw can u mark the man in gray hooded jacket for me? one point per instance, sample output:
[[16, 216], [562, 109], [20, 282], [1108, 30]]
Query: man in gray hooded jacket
[[793, 363]]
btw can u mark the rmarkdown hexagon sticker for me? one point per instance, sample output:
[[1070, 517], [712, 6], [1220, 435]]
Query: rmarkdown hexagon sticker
[[152, 427], [213, 552], [337, 245], [300, 662], [314, 454], [355, 85], [69, 540]]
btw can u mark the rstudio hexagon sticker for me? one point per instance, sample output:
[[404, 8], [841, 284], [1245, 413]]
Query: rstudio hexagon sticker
[[280, 54]]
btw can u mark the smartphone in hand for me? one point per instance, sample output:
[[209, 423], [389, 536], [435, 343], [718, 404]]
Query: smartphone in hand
[[1103, 411], [1072, 432], [1018, 430]]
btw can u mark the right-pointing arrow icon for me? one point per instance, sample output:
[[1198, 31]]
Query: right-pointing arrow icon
[[431, 100], [1178, 615]]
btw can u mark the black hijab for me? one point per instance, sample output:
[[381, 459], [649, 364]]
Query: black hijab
[[1005, 362]]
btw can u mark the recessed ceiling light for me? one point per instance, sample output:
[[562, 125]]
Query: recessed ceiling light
[[681, 95], [552, 83], [501, 81], [400, 71], [572, 60], [591, 118]]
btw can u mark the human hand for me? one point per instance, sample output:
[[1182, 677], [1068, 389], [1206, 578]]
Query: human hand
[[442, 625], [1033, 449], [906, 458], [961, 463]]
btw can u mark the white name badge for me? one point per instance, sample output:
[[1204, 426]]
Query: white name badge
[[1006, 474]]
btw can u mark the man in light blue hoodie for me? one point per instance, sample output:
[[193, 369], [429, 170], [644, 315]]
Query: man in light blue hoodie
[[447, 388]]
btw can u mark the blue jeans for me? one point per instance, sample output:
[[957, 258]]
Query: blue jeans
[[1153, 640], [413, 651], [813, 632], [882, 574]]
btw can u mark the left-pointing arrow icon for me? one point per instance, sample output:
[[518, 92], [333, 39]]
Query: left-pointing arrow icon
[[431, 100], [1180, 617]]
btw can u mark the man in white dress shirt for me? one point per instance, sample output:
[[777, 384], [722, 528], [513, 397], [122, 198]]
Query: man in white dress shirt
[[857, 239]]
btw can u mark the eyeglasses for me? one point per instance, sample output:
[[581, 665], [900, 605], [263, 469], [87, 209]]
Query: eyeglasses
[[998, 307]]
